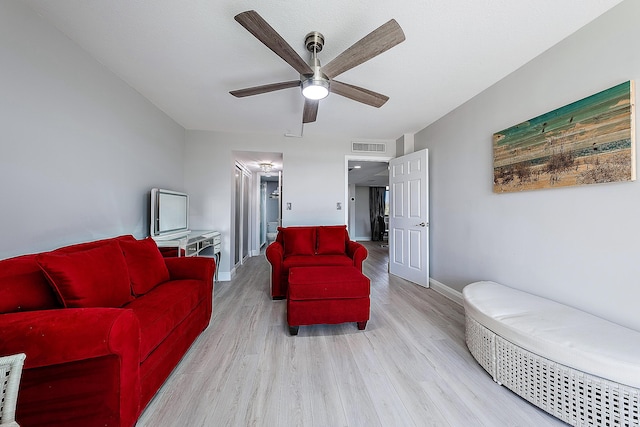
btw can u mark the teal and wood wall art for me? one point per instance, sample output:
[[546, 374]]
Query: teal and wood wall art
[[589, 141]]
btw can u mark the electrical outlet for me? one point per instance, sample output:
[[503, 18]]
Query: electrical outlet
[[339, 206]]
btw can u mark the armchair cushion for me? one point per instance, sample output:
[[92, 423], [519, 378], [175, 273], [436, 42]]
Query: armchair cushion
[[95, 277], [332, 240], [146, 265], [315, 261], [299, 240]]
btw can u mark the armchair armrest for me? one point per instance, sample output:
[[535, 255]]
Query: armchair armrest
[[199, 268], [51, 337], [275, 256], [274, 253], [357, 252]]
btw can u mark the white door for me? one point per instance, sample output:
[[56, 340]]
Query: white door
[[409, 217]]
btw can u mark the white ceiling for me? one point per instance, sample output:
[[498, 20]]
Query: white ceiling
[[185, 56], [251, 160], [368, 174]]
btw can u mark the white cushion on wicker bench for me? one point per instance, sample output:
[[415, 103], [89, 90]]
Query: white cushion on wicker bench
[[557, 332]]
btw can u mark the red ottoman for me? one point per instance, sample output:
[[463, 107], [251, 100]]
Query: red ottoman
[[330, 294]]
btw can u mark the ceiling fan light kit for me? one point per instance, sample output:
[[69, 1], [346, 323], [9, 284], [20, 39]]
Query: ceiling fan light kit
[[315, 89], [316, 81]]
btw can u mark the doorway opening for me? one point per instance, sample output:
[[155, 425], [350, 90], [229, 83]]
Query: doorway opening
[[270, 208], [363, 174], [256, 202]]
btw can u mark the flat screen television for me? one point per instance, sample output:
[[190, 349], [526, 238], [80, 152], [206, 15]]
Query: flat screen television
[[169, 213]]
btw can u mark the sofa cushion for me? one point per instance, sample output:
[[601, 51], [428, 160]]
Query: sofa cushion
[[299, 240], [95, 277], [77, 247], [146, 265], [163, 308], [23, 286], [332, 240]]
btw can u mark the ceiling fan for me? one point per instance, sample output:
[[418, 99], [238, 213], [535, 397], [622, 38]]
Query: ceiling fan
[[315, 80]]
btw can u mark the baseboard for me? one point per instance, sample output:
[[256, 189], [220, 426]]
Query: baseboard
[[446, 291], [224, 276]]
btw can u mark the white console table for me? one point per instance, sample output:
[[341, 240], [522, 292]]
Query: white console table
[[196, 243]]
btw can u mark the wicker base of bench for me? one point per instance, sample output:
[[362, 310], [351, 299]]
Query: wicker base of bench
[[575, 397]]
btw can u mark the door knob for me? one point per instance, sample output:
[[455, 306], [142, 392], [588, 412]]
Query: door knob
[[422, 224]]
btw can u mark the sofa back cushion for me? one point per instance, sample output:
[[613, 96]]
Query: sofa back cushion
[[146, 265], [332, 240], [92, 244], [298, 240], [96, 277], [23, 287]]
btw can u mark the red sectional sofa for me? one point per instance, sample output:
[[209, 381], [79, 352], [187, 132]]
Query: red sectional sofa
[[323, 245], [103, 324]]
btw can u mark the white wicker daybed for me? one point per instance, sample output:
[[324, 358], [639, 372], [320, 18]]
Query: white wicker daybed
[[10, 373], [578, 367]]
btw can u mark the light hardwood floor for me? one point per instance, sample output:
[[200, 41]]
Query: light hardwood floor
[[410, 367]]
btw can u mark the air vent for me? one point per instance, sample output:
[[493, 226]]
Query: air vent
[[368, 147]]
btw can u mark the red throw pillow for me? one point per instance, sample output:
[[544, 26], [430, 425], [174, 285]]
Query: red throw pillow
[[299, 240], [332, 240], [147, 268], [93, 278]]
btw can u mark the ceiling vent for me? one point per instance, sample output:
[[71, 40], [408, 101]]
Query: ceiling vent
[[368, 147]]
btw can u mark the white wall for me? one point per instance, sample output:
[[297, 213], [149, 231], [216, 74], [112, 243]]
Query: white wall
[[314, 180], [577, 245], [79, 149]]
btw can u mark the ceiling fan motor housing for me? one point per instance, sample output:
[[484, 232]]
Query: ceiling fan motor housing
[[314, 41]]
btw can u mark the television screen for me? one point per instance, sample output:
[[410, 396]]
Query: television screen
[[169, 212]]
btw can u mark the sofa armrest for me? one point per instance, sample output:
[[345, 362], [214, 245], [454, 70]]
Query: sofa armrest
[[53, 340], [199, 268], [51, 337], [357, 252], [275, 256]]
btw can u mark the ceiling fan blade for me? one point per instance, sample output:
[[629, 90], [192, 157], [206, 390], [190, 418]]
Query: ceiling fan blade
[[256, 90], [274, 41], [359, 94], [379, 40], [310, 110]]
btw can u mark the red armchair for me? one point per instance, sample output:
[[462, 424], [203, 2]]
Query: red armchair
[[310, 246]]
